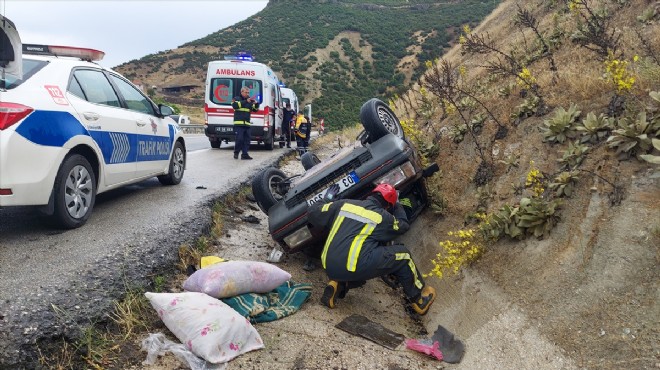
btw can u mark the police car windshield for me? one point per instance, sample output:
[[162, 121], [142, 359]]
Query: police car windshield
[[30, 67]]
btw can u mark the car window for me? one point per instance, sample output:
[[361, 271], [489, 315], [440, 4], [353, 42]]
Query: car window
[[30, 67], [133, 97], [222, 91], [95, 87], [255, 89]]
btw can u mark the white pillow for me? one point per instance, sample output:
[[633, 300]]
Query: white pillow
[[231, 278], [207, 326]]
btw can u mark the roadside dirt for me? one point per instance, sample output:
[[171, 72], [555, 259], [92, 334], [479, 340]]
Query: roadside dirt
[[584, 298]]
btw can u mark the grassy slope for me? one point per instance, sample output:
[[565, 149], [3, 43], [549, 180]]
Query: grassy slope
[[293, 38], [592, 283]]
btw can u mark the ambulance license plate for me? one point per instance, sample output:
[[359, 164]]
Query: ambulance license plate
[[344, 183]]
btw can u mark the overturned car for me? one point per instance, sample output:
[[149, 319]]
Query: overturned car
[[382, 154]]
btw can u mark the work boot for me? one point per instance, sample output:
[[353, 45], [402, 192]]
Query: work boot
[[235, 155], [333, 291], [246, 156], [424, 301]]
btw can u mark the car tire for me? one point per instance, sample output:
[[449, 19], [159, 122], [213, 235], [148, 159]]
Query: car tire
[[264, 187], [268, 143], [177, 166], [74, 192], [309, 160], [379, 120], [215, 144]]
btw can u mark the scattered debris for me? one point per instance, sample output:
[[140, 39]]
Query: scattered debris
[[274, 256], [452, 348], [361, 326], [201, 187], [251, 219], [250, 197]]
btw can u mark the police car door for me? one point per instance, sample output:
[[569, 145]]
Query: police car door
[[111, 127], [154, 139]]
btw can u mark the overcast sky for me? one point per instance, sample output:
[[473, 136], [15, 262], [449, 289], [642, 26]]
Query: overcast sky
[[123, 29]]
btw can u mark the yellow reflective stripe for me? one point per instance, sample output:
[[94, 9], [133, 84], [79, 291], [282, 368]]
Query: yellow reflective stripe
[[395, 226], [243, 109], [331, 236], [372, 216], [244, 123], [356, 247], [326, 207], [411, 265]]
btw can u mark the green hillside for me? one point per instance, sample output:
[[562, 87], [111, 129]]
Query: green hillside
[[378, 48]]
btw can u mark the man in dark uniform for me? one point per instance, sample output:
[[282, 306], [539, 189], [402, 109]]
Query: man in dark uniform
[[355, 250], [243, 106], [289, 115]]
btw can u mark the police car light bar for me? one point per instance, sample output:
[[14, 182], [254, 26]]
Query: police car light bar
[[64, 51]]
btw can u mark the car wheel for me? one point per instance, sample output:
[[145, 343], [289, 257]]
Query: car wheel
[[215, 144], [379, 120], [177, 166], [265, 188], [74, 192], [309, 160], [268, 143]]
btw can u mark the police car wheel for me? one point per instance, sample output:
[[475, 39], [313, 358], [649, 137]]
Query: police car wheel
[[215, 144], [265, 188], [177, 166], [379, 120], [74, 192]]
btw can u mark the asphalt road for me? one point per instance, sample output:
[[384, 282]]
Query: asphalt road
[[132, 231]]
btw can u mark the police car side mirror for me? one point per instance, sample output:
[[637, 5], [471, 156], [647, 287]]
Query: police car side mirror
[[165, 110]]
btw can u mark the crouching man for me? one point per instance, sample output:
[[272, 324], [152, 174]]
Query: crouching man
[[356, 249]]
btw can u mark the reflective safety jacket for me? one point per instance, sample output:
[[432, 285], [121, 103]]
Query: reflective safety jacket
[[356, 227], [302, 127], [242, 109]]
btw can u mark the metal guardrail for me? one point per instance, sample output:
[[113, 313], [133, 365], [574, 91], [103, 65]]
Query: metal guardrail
[[192, 129]]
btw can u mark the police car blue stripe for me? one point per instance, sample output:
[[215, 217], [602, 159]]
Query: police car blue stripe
[[50, 128], [53, 128], [153, 148]]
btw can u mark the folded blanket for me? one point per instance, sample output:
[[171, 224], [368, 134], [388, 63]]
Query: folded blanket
[[276, 304]]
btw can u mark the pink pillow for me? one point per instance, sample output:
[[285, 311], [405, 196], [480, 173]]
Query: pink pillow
[[231, 278]]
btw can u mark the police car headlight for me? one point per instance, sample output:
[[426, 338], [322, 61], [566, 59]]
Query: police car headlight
[[398, 175], [298, 237]]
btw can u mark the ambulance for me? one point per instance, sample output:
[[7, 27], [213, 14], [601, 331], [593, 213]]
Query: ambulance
[[289, 96], [224, 81]]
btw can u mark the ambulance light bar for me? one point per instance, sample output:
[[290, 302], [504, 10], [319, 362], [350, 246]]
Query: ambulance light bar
[[64, 51], [240, 56]]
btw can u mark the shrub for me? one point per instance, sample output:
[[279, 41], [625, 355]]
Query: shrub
[[564, 183], [560, 127], [573, 155], [632, 137], [595, 128]]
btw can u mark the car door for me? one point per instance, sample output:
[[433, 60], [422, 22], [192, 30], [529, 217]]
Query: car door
[[112, 127], [154, 139]]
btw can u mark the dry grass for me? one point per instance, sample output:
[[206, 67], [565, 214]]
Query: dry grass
[[129, 314]]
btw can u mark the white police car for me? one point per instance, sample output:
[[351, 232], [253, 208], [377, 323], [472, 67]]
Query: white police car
[[71, 129]]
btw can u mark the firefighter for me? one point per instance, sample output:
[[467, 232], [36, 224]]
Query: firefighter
[[355, 250], [243, 105]]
